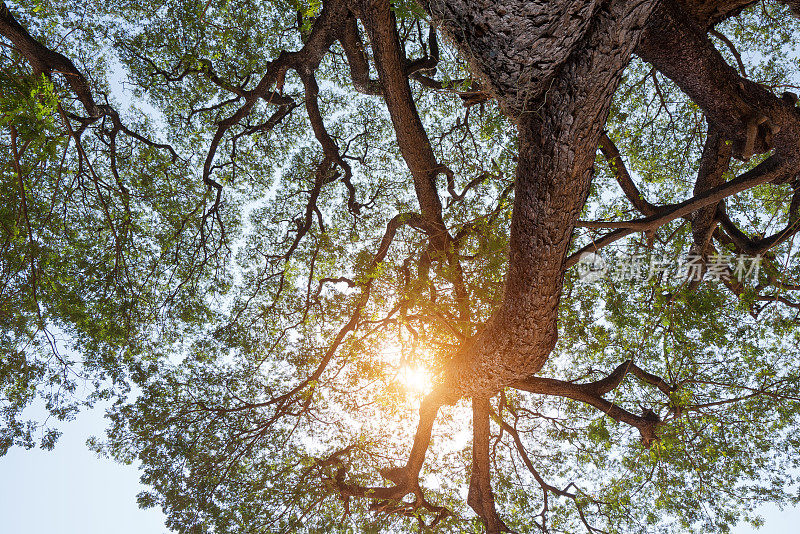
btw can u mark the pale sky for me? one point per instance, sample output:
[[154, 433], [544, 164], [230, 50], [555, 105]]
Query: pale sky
[[70, 490]]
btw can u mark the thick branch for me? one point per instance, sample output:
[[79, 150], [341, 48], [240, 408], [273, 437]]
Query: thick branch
[[713, 165], [46, 61], [357, 59], [412, 138], [755, 247], [558, 144], [623, 177], [771, 169], [591, 393], [415, 146], [743, 111], [480, 497]]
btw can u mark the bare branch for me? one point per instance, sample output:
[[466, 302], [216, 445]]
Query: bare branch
[[591, 393], [623, 177], [771, 169], [732, 48]]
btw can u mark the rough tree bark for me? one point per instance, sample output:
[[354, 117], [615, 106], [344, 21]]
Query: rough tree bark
[[560, 113], [554, 67], [559, 95], [560, 110]]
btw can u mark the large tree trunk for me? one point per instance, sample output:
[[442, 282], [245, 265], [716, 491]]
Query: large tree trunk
[[559, 90], [744, 112]]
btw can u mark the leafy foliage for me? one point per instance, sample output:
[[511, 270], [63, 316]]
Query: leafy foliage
[[255, 344]]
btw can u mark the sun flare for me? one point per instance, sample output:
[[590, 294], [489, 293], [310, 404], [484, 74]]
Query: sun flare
[[415, 379]]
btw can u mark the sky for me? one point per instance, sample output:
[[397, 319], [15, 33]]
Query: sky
[[70, 490]]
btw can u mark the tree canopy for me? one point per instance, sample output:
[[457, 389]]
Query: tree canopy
[[372, 266]]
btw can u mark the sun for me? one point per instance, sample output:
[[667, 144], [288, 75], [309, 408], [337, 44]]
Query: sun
[[409, 377], [415, 378]]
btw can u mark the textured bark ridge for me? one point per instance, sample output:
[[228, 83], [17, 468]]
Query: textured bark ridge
[[558, 139], [709, 12], [516, 45]]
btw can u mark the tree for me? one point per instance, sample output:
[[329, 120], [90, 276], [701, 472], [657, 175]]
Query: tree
[[274, 330]]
